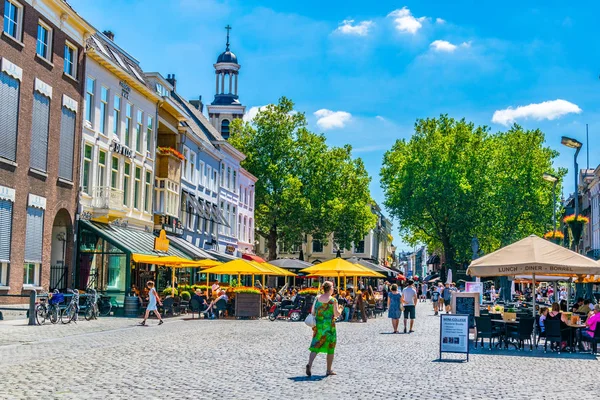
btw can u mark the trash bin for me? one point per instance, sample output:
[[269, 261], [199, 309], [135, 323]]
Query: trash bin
[[132, 306]]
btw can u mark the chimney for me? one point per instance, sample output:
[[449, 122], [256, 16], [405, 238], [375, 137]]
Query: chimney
[[171, 79], [198, 104], [110, 35]]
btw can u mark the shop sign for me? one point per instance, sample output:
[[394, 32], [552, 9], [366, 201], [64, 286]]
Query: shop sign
[[161, 243], [169, 224], [121, 149], [229, 249], [125, 89]]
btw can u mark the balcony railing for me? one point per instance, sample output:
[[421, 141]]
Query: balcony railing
[[108, 198]]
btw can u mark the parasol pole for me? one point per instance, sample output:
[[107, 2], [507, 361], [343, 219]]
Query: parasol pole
[[252, 280], [238, 281], [338, 285], [173, 281], [263, 283]]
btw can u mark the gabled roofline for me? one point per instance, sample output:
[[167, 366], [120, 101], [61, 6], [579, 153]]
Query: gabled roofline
[[228, 148]]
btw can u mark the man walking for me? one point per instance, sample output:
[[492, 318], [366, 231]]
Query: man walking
[[409, 301], [447, 296]]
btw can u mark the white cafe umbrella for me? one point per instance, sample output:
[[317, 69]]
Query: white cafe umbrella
[[449, 279]]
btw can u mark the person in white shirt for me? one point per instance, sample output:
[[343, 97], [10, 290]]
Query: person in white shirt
[[409, 301]]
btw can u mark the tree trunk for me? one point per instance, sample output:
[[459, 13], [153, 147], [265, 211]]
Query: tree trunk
[[272, 243]]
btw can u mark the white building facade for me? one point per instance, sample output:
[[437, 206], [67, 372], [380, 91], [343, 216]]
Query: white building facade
[[245, 218], [118, 145]]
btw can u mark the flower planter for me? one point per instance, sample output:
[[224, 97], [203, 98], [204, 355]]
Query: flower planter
[[248, 305], [576, 228]]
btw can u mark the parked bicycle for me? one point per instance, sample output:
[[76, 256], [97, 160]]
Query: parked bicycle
[[104, 305], [69, 313], [48, 308], [91, 305]]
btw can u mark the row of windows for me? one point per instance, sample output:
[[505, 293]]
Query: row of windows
[[134, 181], [133, 129], [34, 228], [13, 27], [10, 99], [317, 247]]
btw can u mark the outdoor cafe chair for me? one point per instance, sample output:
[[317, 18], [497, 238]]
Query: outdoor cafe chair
[[522, 332], [168, 306], [195, 307], [486, 330], [553, 334], [594, 341], [219, 307]]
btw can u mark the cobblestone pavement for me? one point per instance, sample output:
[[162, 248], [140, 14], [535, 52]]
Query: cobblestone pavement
[[112, 358]]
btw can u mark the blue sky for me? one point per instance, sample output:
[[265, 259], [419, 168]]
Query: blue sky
[[363, 74]]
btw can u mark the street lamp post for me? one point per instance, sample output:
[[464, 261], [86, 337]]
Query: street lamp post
[[574, 144], [551, 178]]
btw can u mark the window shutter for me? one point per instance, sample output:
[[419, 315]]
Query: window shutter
[[9, 112], [39, 131], [67, 138], [34, 234], [5, 230]]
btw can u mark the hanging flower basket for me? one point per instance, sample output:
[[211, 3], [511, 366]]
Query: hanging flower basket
[[555, 237], [576, 225]]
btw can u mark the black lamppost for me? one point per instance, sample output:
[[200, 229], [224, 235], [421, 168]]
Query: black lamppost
[[574, 144], [551, 178]]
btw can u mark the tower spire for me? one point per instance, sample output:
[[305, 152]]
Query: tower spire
[[228, 28]]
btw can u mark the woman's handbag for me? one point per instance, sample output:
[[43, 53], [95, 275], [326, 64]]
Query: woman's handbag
[[310, 319]]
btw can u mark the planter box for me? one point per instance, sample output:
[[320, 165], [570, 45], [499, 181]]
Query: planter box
[[248, 305]]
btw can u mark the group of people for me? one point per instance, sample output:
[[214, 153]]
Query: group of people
[[582, 308]]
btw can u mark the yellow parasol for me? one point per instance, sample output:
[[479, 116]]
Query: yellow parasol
[[246, 267], [334, 267]]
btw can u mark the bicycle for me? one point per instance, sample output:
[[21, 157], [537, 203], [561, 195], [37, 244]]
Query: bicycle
[[91, 305], [70, 312], [104, 305], [47, 309]]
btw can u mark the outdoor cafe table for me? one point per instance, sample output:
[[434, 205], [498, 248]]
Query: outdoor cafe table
[[506, 324], [574, 327]]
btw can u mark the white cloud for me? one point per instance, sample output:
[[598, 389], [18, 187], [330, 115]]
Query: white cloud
[[405, 21], [379, 117], [443, 45], [251, 113], [549, 110], [440, 21], [327, 119], [347, 27]]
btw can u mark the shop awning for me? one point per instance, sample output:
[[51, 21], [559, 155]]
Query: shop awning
[[253, 257], [173, 261], [133, 241], [189, 248], [221, 256], [192, 203]]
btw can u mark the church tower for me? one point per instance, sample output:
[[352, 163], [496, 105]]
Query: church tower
[[226, 106]]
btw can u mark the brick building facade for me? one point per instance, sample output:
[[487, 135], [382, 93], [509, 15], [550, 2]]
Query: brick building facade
[[41, 87]]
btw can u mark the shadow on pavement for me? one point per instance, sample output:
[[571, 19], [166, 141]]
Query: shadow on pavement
[[306, 378]]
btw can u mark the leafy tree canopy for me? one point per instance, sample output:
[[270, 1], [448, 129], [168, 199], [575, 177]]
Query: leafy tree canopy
[[453, 180], [304, 186]]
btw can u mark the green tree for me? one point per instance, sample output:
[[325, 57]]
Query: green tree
[[303, 186], [453, 180]]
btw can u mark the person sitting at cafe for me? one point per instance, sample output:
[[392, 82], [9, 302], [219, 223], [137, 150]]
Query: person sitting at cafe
[[543, 316], [576, 305], [591, 326], [201, 298], [563, 306], [222, 296], [556, 315], [585, 308]]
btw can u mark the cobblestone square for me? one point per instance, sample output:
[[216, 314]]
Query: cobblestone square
[[112, 358]]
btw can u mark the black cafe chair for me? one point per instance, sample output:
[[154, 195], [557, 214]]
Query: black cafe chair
[[522, 332], [553, 334], [594, 341], [486, 330]]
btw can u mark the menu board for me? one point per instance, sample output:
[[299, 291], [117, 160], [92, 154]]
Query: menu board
[[454, 334], [467, 304]]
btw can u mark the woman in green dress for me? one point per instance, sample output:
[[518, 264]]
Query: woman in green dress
[[325, 310]]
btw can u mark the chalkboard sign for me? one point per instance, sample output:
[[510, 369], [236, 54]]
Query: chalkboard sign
[[466, 306]]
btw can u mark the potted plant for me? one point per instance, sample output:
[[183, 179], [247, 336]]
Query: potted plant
[[248, 302], [169, 292], [555, 237], [311, 292], [576, 225]]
